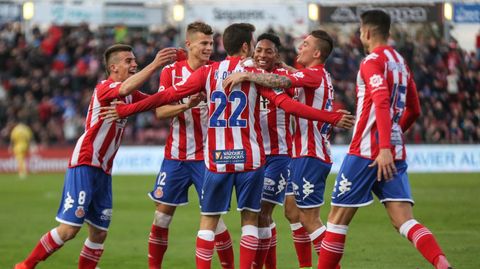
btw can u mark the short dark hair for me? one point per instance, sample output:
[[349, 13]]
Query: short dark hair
[[235, 35], [379, 20], [111, 51], [271, 37], [199, 27], [325, 43]]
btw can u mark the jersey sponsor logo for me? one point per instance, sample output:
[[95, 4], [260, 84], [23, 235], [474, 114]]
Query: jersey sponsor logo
[[68, 202], [394, 66], [343, 186], [80, 212], [106, 214], [376, 81], [298, 75], [307, 188], [229, 156]]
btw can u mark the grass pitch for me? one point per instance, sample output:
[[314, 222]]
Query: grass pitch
[[446, 203]]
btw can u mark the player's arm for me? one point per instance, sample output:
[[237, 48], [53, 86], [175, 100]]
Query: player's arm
[[163, 57], [300, 78], [172, 110], [174, 93], [168, 111], [412, 106], [372, 72], [284, 101]]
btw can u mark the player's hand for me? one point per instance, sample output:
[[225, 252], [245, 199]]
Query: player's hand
[[195, 99], [109, 113], [234, 79], [347, 121], [386, 165], [165, 56]]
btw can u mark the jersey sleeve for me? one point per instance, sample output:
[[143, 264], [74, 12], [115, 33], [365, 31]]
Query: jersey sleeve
[[194, 84], [412, 106], [108, 91], [304, 78], [138, 96], [165, 78], [372, 72], [284, 101]]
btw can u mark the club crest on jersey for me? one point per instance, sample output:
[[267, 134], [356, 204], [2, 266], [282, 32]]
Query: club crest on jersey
[[80, 212], [229, 156], [376, 81], [158, 192]]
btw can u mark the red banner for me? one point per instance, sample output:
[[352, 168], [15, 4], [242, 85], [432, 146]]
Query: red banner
[[41, 160]]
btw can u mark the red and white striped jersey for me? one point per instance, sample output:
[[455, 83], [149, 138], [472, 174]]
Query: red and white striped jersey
[[188, 129], [100, 141], [275, 125], [313, 87], [383, 82]]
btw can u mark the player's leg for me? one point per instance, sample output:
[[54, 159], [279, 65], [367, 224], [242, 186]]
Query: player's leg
[[98, 216], [158, 237], [20, 153], [301, 240], [215, 200], [396, 196], [170, 190], [264, 233], [77, 192], [223, 240], [352, 190], [276, 174], [249, 187]]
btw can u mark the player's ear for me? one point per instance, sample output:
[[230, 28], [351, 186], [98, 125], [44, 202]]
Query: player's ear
[[317, 54], [187, 44]]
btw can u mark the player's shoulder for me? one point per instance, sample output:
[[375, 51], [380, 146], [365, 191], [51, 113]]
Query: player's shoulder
[[107, 84]]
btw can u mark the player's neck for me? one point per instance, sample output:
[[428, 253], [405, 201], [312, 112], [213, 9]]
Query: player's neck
[[195, 63], [375, 44], [116, 78]]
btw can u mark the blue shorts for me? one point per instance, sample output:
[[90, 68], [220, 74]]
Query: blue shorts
[[217, 191], [174, 180], [308, 180], [356, 181], [277, 172], [87, 196]]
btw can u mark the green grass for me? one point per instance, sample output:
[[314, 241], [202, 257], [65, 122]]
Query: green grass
[[447, 203]]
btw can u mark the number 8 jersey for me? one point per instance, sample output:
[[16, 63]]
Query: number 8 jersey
[[384, 83]]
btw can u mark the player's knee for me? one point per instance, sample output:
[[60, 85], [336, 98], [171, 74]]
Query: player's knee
[[67, 232], [98, 236], [162, 220], [264, 219]]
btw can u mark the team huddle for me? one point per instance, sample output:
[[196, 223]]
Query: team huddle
[[252, 123]]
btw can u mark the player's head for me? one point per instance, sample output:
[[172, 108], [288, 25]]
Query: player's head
[[120, 62], [238, 39], [266, 51], [315, 48], [199, 41], [374, 27]]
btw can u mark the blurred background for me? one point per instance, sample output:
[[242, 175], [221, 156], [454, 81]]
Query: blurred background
[[51, 51]]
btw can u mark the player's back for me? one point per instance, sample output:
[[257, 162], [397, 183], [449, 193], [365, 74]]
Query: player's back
[[311, 137], [234, 140], [21, 134], [384, 63], [188, 128], [99, 143]]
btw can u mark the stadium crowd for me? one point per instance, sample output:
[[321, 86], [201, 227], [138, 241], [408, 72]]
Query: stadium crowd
[[47, 82]]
